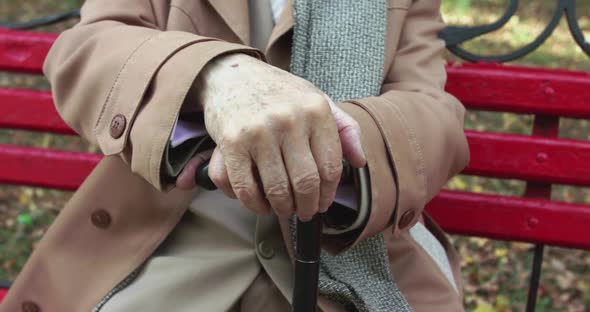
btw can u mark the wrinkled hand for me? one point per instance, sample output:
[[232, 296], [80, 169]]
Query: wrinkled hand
[[280, 140]]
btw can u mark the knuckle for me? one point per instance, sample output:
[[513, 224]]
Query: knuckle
[[283, 121], [278, 192], [317, 107], [350, 131], [244, 192], [331, 171], [220, 180], [238, 138], [229, 140], [255, 131], [307, 183], [279, 195]]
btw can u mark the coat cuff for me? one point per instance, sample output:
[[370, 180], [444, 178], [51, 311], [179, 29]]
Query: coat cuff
[[407, 161], [132, 84], [383, 187], [149, 96]]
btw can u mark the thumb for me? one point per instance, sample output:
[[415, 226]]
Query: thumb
[[350, 137], [186, 179]]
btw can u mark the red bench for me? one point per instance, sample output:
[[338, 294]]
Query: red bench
[[541, 159]]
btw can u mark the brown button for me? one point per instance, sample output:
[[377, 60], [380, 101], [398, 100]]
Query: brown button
[[101, 219], [118, 126], [29, 306], [406, 218]]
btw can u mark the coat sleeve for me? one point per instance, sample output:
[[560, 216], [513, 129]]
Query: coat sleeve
[[119, 80], [413, 132]]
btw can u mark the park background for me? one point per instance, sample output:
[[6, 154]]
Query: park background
[[495, 272]]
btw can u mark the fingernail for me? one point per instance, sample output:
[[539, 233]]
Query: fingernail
[[304, 219]]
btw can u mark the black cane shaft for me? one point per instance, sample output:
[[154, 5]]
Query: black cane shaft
[[307, 264], [305, 291], [307, 233]]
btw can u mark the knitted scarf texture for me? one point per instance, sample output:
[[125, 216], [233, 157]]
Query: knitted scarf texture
[[339, 46]]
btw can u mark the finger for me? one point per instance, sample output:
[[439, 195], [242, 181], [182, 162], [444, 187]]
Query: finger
[[274, 179], [240, 170], [349, 132], [303, 175], [186, 178], [327, 152], [218, 174]]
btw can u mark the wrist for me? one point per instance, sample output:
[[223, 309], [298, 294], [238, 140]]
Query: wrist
[[218, 75]]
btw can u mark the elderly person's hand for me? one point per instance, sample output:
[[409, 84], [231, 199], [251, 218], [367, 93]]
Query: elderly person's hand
[[280, 140]]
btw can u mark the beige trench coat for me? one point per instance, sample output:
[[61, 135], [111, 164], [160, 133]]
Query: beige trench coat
[[117, 65]]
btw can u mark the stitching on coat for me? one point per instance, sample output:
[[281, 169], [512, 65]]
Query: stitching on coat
[[164, 123], [421, 168], [104, 106], [390, 159], [411, 139]]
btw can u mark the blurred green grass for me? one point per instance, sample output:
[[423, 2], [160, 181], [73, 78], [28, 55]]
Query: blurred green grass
[[495, 272]]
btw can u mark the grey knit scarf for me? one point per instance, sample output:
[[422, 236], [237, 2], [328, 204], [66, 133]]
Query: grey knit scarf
[[339, 45]]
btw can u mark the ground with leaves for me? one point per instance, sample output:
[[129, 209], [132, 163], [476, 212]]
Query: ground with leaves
[[495, 273]]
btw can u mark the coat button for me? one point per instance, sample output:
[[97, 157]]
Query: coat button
[[118, 126], [406, 218], [101, 219], [265, 250], [29, 306]]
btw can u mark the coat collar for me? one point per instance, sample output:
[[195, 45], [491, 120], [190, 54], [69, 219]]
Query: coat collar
[[235, 14]]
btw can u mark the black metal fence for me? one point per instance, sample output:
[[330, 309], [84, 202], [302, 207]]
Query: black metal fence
[[455, 35]]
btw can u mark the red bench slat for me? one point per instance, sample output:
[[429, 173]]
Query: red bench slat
[[512, 218], [3, 293], [529, 158], [44, 167], [30, 110], [478, 86], [521, 89], [487, 215], [24, 51]]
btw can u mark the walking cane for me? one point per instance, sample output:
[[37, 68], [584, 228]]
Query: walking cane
[[307, 253]]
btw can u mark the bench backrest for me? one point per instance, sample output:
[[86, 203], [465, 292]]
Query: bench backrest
[[541, 159]]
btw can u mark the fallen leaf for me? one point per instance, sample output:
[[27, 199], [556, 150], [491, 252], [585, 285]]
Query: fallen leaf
[[500, 252], [483, 306]]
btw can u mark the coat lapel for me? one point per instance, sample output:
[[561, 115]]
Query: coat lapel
[[283, 25], [235, 15]]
